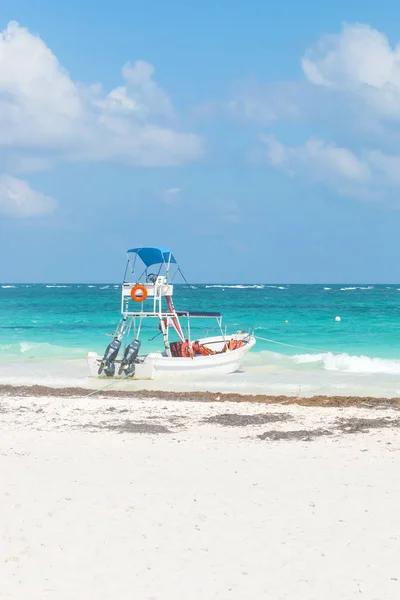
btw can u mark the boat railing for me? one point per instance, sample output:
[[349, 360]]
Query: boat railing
[[158, 290], [144, 314]]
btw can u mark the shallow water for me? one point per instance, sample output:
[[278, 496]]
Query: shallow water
[[44, 326]]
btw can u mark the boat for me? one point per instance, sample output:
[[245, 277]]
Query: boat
[[147, 293]]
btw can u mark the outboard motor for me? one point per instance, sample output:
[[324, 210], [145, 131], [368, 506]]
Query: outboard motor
[[111, 353], [130, 355]]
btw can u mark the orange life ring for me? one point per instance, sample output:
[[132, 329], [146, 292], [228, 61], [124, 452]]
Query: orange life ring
[[143, 293]]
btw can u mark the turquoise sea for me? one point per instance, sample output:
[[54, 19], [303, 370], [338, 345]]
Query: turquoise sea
[[65, 321], [45, 319]]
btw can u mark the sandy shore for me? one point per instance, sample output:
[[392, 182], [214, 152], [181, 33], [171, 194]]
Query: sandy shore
[[112, 497]]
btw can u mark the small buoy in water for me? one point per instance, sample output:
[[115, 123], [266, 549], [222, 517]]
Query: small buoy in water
[[338, 319], [286, 321]]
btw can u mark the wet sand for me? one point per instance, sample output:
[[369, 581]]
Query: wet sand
[[159, 495]]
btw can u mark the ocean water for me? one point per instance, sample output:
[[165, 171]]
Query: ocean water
[[47, 329]]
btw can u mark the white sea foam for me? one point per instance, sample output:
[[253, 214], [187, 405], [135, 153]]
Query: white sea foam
[[57, 286], [105, 287], [347, 363], [326, 288], [26, 350], [7, 286], [275, 287], [238, 287], [323, 361], [26, 346], [367, 287]]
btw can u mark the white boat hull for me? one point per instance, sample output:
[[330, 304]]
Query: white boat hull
[[157, 365]]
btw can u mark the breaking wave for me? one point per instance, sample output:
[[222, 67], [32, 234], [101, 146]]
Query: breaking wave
[[326, 361], [367, 287], [347, 363], [29, 350], [238, 287], [241, 286]]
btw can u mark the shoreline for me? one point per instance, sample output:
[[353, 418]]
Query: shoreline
[[253, 382], [41, 391]]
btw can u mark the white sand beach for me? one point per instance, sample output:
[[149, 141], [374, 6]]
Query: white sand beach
[[119, 498]]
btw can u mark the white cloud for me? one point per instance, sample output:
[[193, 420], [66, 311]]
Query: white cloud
[[370, 174], [42, 108], [253, 107], [359, 62], [39, 104], [171, 196], [28, 163], [353, 76], [276, 153], [18, 199], [388, 166], [358, 55], [323, 161], [350, 95], [266, 103]]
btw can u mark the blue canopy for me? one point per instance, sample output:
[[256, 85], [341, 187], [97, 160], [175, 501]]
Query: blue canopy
[[153, 256]]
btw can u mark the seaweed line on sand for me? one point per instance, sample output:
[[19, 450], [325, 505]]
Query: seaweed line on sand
[[39, 391]]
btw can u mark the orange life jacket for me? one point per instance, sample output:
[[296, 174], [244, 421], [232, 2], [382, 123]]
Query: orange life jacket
[[233, 345], [186, 350], [204, 351], [181, 349], [176, 348], [196, 347]]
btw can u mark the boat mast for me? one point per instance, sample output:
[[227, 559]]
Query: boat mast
[[152, 289]]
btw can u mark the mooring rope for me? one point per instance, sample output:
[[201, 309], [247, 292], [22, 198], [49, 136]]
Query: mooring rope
[[115, 380], [258, 337]]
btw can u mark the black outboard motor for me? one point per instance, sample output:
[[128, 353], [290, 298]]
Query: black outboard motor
[[128, 362], [111, 353]]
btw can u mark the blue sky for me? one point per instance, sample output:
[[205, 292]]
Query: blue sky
[[260, 142]]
